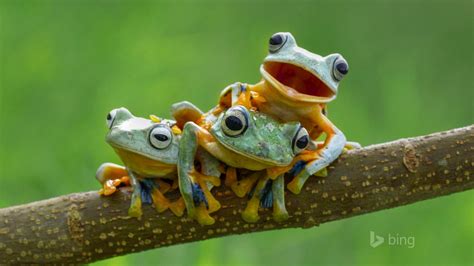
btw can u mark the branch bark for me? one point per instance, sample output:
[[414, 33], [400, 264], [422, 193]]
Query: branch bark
[[85, 227]]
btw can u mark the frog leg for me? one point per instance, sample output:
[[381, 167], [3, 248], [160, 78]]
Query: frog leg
[[243, 186], [108, 171], [163, 186], [350, 145], [278, 189], [159, 200], [250, 214], [189, 186], [185, 111], [135, 209], [111, 176], [175, 184], [332, 148], [178, 207], [230, 176]]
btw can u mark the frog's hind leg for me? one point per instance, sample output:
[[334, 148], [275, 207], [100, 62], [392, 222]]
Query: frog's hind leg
[[279, 209], [258, 196], [210, 177], [111, 176], [156, 192], [318, 160], [243, 186], [189, 185]]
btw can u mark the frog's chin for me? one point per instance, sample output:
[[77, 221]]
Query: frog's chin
[[142, 164], [296, 83], [260, 160]]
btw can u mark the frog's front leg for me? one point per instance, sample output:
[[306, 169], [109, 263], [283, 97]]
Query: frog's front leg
[[350, 145], [210, 177], [135, 209], [259, 196], [279, 209], [318, 160], [111, 176], [194, 198]]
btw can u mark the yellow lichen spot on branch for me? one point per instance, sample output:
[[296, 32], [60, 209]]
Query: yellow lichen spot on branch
[[411, 159], [74, 224]]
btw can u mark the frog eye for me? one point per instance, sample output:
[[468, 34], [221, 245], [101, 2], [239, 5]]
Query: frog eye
[[340, 68], [301, 140], [276, 42], [110, 118], [235, 121], [160, 137]]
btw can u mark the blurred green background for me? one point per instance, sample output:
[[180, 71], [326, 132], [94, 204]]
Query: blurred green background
[[65, 64]]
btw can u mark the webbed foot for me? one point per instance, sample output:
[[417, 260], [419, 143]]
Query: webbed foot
[[111, 176], [309, 163], [111, 185]]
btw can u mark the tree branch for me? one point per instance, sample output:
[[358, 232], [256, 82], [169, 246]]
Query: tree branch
[[85, 227]]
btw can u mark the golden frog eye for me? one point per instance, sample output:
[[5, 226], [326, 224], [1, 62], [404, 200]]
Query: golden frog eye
[[340, 68], [301, 140], [235, 121], [110, 118], [276, 42], [160, 137]]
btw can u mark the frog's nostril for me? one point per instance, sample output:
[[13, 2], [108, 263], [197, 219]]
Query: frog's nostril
[[109, 117]]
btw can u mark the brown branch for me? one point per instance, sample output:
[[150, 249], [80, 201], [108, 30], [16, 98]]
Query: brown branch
[[85, 227]]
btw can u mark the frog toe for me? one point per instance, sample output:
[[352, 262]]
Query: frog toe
[[202, 215], [280, 216], [250, 214], [178, 207], [135, 209], [294, 186]]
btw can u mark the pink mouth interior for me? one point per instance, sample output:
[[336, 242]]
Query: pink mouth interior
[[298, 79]]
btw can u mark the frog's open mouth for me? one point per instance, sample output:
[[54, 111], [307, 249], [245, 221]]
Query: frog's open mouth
[[298, 82]]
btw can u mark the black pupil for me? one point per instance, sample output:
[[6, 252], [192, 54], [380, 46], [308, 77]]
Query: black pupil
[[233, 123], [342, 68], [109, 117], [276, 39], [302, 142], [161, 137]]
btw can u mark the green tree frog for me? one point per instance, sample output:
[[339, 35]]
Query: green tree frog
[[296, 86], [149, 150], [242, 138]]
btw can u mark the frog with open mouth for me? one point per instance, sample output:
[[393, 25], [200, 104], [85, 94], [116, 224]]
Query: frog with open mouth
[[149, 150], [245, 139], [296, 85]]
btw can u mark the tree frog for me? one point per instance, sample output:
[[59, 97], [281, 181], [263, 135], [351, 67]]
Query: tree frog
[[242, 138], [296, 86], [149, 150]]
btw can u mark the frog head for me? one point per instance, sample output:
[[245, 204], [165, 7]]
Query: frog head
[[147, 147], [260, 137], [300, 74]]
